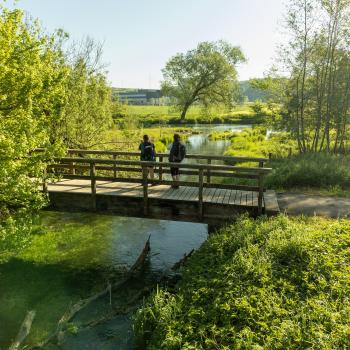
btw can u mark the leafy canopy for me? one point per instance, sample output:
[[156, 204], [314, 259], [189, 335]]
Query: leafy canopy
[[32, 97], [205, 75]]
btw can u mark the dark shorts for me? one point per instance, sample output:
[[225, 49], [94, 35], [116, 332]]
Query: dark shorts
[[175, 171]]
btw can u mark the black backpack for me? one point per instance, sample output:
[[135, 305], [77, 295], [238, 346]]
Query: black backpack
[[180, 153], [148, 151]]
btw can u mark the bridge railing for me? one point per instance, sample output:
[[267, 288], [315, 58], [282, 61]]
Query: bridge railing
[[88, 169]]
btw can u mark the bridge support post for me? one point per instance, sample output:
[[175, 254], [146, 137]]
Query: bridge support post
[[93, 185], [45, 180], [200, 193], [208, 172], [261, 194], [145, 190], [160, 168], [115, 166]]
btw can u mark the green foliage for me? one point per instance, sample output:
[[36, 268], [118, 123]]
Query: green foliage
[[317, 59], [88, 109], [32, 97], [257, 143], [205, 75], [274, 283], [49, 100], [258, 107]]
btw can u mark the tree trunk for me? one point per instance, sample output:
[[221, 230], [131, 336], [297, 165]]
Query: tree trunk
[[184, 110]]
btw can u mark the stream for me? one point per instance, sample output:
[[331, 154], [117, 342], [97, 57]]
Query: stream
[[74, 255]]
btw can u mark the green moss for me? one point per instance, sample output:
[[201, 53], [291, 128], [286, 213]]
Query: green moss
[[275, 283]]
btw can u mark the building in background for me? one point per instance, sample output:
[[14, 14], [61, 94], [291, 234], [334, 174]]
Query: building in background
[[150, 97]]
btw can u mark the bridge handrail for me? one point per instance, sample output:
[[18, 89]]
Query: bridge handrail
[[257, 170], [93, 164], [234, 159]]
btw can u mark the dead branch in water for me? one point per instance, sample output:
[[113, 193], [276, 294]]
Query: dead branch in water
[[182, 261], [77, 307], [23, 331]]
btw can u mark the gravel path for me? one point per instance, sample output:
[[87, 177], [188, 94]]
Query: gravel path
[[296, 204]]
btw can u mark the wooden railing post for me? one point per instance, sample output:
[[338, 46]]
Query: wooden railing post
[[160, 168], [261, 193], [73, 168], [200, 193], [45, 187], [208, 172], [115, 166], [93, 184], [145, 190]]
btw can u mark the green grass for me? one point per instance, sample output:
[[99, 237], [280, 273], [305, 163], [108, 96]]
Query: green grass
[[150, 115], [276, 283], [316, 173], [326, 172], [255, 143]]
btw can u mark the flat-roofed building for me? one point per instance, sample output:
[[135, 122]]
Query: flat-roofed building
[[140, 97]]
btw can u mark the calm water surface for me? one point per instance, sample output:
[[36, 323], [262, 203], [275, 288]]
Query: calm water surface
[[72, 256]]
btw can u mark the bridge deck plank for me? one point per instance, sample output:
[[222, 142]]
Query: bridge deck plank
[[166, 192]]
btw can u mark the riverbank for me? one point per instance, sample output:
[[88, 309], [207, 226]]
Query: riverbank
[[278, 283]]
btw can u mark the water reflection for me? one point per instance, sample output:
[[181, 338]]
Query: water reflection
[[71, 257]]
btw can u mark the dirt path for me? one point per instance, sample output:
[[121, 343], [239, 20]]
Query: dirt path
[[296, 204]]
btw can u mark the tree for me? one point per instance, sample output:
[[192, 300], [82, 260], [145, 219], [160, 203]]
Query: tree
[[316, 97], [205, 75], [88, 109], [32, 98]]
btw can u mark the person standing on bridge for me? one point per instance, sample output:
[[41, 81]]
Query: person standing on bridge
[[148, 154], [177, 154]]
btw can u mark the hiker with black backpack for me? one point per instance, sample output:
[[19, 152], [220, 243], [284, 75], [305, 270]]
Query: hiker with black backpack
[[148, 154], [177, 154]]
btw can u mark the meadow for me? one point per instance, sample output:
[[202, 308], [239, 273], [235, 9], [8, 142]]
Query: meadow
[[151, 115]]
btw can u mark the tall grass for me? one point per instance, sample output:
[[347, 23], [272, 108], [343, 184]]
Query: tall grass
[[257, 143], [276, 283], [314, 170]]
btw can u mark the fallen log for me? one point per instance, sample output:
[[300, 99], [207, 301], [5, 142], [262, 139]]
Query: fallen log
[[23, 331], [77, 307]]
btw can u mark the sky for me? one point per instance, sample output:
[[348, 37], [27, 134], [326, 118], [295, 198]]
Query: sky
[[139, 36]]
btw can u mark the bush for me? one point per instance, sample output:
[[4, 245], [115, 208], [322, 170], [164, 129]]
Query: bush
[[275, 283], [315, 170]]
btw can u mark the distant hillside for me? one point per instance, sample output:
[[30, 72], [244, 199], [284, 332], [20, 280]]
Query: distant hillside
[[252, 93]]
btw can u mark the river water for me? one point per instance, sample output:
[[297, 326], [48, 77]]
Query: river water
[[74, 255]]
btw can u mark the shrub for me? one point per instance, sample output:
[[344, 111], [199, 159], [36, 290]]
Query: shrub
[[317, 170], [275, 283]]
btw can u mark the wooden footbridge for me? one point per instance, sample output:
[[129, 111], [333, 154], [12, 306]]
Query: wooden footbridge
[[116, 182]]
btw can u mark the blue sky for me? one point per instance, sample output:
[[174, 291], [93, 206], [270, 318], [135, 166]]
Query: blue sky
[[139, 36]]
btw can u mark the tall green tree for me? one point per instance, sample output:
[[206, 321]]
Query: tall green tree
[[88, 109], [205, 75], [32, 98]]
